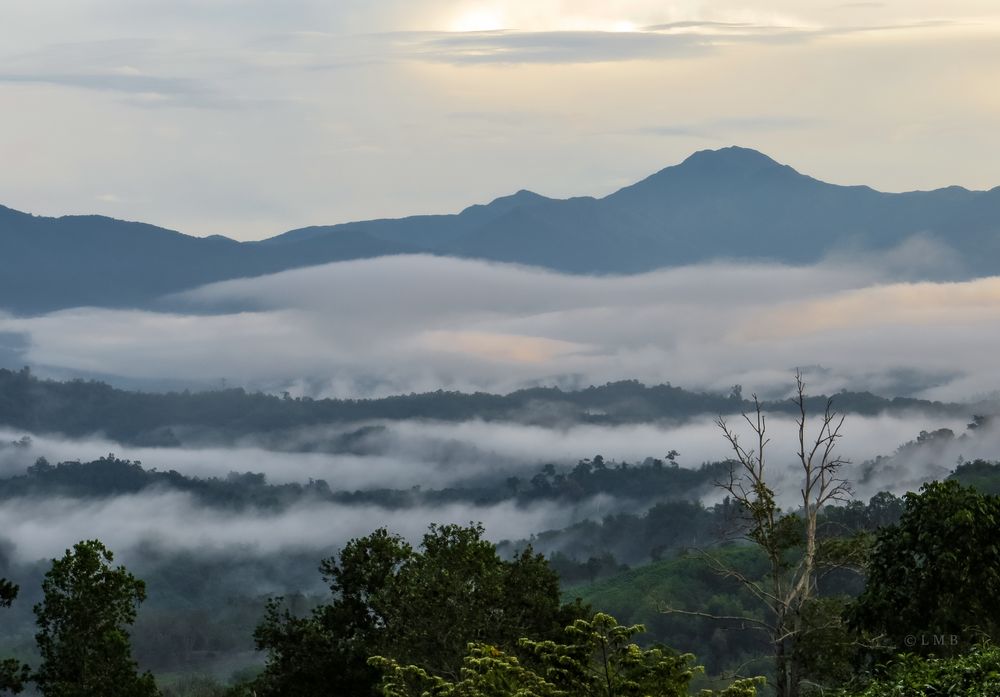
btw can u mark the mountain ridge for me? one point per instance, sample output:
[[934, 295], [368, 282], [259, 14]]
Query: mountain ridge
[[732, 202]]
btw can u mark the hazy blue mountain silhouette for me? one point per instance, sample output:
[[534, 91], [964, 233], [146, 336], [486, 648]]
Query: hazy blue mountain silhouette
[[728, 203]]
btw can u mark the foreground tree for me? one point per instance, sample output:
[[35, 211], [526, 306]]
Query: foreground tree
[[420, 607], [83, 625], [13, 673], [599, 659], [790, 541], [934, 578]]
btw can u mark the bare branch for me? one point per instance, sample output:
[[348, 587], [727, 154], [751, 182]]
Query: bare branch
[[757, 623]]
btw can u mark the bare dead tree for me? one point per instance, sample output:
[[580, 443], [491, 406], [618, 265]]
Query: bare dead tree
[[788, 540]]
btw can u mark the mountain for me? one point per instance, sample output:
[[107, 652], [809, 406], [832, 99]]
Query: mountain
[[53, 263], [727, 203]]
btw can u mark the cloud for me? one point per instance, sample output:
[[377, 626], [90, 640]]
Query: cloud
[[931, 306], [427, 323], [140, 89], [670, 41], [433, 454], [147, 84], [556, 47], [720, 129], [430, 454], [43, 528]]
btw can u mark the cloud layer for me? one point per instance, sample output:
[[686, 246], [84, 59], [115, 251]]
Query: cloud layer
[[401, 324], [438, 454], [433, 454], [172, 521]]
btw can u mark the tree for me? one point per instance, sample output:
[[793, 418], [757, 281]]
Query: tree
[[934, 578], [599, 659], [789, 540], [83, 623], [327, 651], [418, 606], [976, 672], [13, 673]]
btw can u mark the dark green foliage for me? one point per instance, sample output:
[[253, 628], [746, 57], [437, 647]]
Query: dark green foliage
[[937, 572], [855, 516], [196, 686], [8, 592], [83, 625], [417, 606], [80, 408], [13, 674], [825, 652], [571, 571], [328, 650], [112, 476]]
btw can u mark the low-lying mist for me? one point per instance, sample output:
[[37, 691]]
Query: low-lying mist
[[403, 454], [413, 323], [438, 455], [44, 528]]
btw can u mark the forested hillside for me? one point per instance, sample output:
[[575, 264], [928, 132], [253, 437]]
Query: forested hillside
[[77, 408]]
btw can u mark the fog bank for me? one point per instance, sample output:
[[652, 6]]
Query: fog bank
[[415, 323]]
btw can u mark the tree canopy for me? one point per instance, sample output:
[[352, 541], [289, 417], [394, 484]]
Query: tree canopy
[[83, 625], [935, 573], [421, 606], [13, 673]]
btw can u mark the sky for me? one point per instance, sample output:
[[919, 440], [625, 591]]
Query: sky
[[250, 117]]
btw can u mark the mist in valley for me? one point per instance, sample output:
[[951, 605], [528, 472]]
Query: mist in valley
[[310, 332]]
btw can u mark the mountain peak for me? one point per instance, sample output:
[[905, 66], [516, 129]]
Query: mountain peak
[[708, 170], [732, 157], [521, 197], [506, 203]]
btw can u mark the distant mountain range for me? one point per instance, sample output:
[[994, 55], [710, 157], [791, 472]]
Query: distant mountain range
[[727, 203]]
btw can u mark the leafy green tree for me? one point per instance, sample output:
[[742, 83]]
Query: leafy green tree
[[936, 573], [82, 620], [599, 660], [328, 650], [458, 590], [418, 606], [13, 673]]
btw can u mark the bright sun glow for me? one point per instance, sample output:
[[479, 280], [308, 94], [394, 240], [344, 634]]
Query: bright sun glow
[[624, 26], [479, 20], [484, 17]]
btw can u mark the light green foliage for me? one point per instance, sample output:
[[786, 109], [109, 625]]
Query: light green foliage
[[973, 674], [599, 659], [981, 475], [638, 595], [83, 638]]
